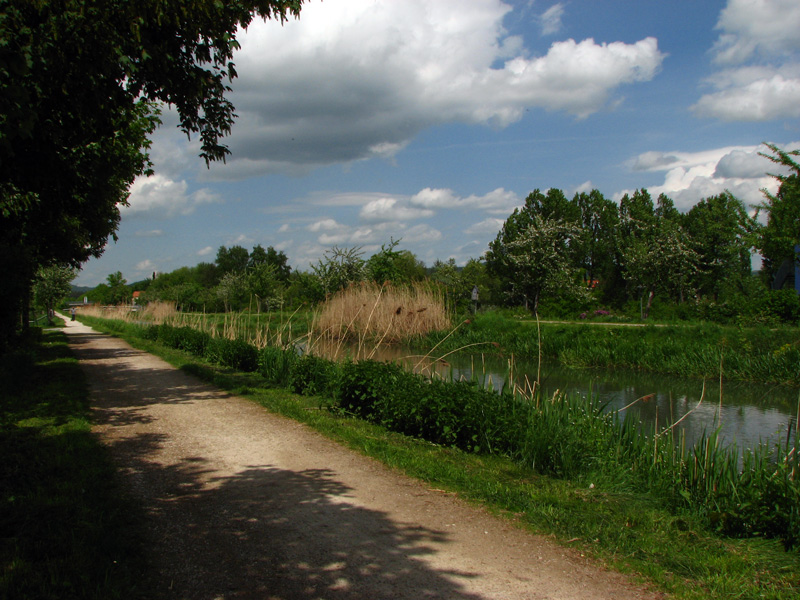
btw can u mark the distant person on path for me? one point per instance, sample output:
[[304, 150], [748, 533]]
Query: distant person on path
[[72, 312]]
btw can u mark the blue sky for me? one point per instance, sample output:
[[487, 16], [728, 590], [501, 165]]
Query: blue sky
[[431, 120]]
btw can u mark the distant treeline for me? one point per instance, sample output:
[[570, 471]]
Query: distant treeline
[[585, 256]]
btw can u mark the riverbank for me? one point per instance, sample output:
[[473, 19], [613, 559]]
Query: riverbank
[[620, 525], [757, 354]]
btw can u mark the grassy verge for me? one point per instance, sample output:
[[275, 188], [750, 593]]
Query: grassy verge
[[692, 350], [65, 529], [632, 532]]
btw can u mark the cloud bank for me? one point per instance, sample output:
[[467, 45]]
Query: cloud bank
[[759, 55], [359, 79], [692, 176]]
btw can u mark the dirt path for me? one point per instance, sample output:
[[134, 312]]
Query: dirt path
[[243, 504]]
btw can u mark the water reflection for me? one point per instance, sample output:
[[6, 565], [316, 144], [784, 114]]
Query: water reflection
[[748, 414]]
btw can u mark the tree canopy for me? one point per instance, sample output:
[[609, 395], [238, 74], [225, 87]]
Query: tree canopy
[[777, 240], [81, 85]]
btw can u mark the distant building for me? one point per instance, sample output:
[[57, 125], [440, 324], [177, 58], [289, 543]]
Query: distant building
[[136, 296]]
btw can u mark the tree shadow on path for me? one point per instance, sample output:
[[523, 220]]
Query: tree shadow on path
[[258, 531]]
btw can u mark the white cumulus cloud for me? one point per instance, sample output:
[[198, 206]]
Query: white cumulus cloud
[[158, 196], [759, 50], [359, 79], [691, 176]]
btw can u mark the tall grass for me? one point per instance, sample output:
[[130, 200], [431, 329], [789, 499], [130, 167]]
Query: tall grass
[[383, 313], [748, 354], [154, 312]]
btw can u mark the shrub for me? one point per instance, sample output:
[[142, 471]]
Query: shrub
[[311, 375], [236, 354], [458, 414]]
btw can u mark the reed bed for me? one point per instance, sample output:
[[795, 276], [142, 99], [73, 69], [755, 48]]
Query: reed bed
[[383, 313], [154, 312]]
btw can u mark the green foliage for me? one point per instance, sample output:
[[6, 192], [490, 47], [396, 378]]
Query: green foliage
[[236, 354], [52, 285], [312, 376], [232, 260], [80, 88], [181, 338], [338, 268], [276, 364], [460, 414], [751, 354], [778, 238], [722, 234]]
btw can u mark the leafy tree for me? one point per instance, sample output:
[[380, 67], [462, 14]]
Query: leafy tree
[[660, 259], [80, 87], [448, 275], [262, 282], [534, 252], [206, 275], [275, 258], [233, 260], [595, 246], [232, 290], [51, 286], [395, 266], [777, 240], [722, 234], [475, 274], [118, 291], [338, 268], [304, 286]]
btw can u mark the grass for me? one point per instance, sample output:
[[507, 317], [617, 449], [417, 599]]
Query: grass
[[694, 350], [670, 549], [66, 530]]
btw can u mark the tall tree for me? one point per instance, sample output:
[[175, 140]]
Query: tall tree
[[778, 239], [232, 260], [81, 82], [538, 208], [599, 221], [118, 291], [722, 234], [533, 254]]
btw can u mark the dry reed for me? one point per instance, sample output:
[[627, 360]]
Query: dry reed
[[153, 312], [383, 313]]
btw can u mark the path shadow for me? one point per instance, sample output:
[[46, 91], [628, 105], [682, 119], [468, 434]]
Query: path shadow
[[263, 533], [272, 533], [133, 390]]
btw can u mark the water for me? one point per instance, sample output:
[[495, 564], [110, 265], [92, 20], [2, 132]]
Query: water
[[748, 415]]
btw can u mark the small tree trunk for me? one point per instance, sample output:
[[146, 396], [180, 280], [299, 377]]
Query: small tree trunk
[[649, 303]]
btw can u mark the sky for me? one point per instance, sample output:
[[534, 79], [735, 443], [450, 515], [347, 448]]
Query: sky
[[429, 121]]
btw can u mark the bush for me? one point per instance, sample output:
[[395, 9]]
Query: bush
[[458, 414], [312, 375], [236, 354]]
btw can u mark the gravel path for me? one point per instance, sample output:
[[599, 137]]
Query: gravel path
[[244, 504]]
